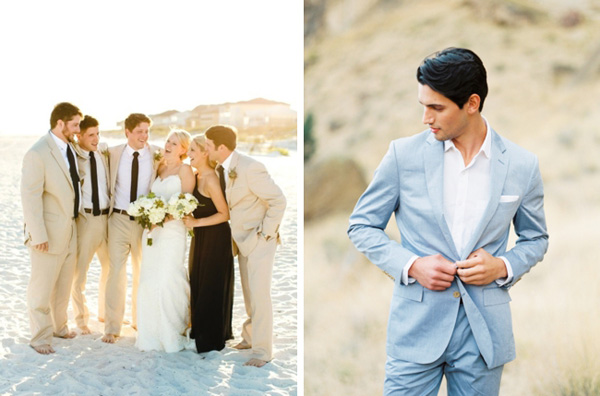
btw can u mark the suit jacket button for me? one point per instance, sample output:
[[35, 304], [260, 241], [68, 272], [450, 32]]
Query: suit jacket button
[[456, 294]]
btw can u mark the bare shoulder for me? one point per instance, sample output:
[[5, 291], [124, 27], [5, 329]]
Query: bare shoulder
[[211, 178], [186, 171]]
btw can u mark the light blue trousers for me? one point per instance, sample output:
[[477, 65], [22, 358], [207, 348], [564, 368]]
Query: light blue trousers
[[461, 363]]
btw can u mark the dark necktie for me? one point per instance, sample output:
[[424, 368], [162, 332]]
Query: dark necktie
[[74, 180], [135, 165], [95, 198], [221, 171]]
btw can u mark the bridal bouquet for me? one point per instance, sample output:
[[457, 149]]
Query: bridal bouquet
[[181, 205], [148, 210]]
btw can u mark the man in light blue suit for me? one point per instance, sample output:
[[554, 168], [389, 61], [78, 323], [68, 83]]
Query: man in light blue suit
[[454, 190]]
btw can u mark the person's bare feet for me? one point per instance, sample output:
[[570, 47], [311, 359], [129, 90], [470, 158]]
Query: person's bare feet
[[101, 320], [69, 335], [242, 345], [45, 349], [85, 330], [255, 363], [109, 338]]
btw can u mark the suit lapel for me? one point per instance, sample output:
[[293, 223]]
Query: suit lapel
[[59, 159], [235, 159], [115, 158], [103, 151], [434, 175], [498, 172]]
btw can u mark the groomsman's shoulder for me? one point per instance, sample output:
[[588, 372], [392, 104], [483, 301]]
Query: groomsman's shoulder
[[410, 144], [517, 153]]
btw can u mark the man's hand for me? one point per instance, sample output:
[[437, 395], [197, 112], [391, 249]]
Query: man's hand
[[481, 268], [433, 272], [42, 247]]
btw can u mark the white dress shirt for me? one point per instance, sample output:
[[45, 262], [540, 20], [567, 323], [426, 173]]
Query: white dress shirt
[[123, 184], [466, 196], [62, 146], [87, 183]]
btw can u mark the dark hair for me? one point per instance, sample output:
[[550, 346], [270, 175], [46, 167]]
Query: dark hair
[[87, 122], [456, 73], [136, 119], [63, 111], [222, 134]]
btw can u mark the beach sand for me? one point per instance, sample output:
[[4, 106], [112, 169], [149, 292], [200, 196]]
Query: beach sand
[[87, 366]]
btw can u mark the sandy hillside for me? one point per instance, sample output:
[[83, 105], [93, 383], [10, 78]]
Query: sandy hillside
[[543, 63]]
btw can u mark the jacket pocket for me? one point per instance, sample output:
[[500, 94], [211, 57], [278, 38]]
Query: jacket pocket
[[495, 296]]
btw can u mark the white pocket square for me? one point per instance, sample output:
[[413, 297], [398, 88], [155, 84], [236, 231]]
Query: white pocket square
[[508, 198]]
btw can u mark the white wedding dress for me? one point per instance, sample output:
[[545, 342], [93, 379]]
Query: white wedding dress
[[164, 292]]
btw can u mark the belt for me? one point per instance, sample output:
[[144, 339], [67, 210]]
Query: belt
[[121, 211], [102, 212]]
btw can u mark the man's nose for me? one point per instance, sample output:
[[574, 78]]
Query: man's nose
[[427, 116]]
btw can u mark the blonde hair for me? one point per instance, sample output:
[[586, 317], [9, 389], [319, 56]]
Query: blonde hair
[[200, 141], [184, 139]]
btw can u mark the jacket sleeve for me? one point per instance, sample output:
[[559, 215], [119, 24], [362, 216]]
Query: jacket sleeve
[[372, 214], [262, 185], [32, 189], [530, 226]]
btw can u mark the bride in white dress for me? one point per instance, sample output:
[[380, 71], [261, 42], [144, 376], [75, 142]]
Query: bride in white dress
[[163, 294]]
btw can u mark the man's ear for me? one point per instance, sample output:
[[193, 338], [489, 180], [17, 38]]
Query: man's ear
[[473, 104]]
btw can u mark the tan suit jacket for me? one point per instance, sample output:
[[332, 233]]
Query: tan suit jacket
[[256, 207], [256, 203], [47, 196]]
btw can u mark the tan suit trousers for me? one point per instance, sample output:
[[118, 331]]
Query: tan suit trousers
[[124, 237], [92, 233], [48, 291], [256, 271]]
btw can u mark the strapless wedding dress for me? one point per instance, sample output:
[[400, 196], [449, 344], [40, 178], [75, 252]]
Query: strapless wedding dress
[[163, 296]]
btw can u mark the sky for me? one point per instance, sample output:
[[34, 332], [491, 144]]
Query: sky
[[112, 58]]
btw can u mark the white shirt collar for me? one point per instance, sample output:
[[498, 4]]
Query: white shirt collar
[[486, 146], [130, 150], [59, 142], [227, 162]]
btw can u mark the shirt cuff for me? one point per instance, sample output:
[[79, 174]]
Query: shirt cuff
[[405, 279], [505, 281]]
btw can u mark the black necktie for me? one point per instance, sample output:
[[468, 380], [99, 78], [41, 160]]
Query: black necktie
[[95, 198], [221, 171], [134, 178], [74, 180]]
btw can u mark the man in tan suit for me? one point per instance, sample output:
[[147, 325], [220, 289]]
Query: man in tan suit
[[132, 170], [92, 223], [256, 206], [50, 195]]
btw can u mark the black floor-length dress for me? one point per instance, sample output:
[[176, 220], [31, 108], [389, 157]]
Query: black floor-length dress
[[211, 280]]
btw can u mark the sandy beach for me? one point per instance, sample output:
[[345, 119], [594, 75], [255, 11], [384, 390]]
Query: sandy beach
[[86, 365]]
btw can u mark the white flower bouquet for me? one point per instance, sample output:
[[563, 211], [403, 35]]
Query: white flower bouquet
[[181, 205], [148, 210]]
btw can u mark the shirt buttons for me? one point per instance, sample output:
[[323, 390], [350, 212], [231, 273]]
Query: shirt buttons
[[456, 294]]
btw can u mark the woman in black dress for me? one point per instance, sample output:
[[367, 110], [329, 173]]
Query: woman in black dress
[[211, 257]]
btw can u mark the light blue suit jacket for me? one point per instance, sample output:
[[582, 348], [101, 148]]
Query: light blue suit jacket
[[409, 183]]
